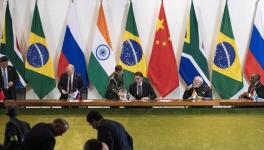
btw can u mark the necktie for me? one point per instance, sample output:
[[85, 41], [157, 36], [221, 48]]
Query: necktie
[[252, 92], [69, 85], [139, 90], [5, 79]]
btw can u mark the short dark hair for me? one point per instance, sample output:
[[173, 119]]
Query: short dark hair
[[118, 68], [94, 115], [139, 74], [11, 111], [4, 58], [93, 144]]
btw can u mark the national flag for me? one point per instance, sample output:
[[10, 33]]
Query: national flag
[[162, 69], [10, 47], [132, 58], [226, 75], [72, 51], [193, 58], [19, 32], [39, 67], [254, 62], [102, 59]]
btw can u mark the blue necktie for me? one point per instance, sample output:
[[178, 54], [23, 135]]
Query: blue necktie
[[5, 79]]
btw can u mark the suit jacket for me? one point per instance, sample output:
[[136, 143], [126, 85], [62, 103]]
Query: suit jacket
[[202, 91], [18, 128], [147, 91], [41, 137], [259, 88], [114, 135], [77, 84], [12, 76]]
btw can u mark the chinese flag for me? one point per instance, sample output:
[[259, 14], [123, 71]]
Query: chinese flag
[[162, 69]]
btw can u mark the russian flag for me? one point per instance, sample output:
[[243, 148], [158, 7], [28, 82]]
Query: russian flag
[[72, 52], [254, 62]]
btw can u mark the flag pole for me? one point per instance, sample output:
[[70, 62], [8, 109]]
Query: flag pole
[[256, 6]]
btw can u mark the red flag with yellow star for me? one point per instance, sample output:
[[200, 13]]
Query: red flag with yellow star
[[162, 69]]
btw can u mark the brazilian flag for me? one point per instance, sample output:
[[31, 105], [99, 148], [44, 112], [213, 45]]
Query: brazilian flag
[[39, 71], [132, 58], [227, 74]]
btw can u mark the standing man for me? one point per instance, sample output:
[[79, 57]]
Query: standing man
[[141, 90], [42, 135], [110, 132], [15, 130], [115, 88], [197, 90], [70, 82], [255, 89], [8, 78]]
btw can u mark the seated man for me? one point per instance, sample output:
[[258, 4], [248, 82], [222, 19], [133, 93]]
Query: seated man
[[115, 87], [255, 89], [8, 78], [141, 90], [69, 83], [197, 90]]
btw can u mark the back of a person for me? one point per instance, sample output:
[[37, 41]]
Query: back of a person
[[122, 140], [17, 128], [35, 140]]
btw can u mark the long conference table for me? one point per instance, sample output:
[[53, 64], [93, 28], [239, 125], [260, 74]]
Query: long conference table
[[161, 102]]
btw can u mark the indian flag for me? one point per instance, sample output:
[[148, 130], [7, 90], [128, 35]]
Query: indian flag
[[102, 59]]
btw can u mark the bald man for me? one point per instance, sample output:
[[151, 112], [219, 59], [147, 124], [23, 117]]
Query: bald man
[[197, 90], [255, 89], [42, 136], [70, 82]]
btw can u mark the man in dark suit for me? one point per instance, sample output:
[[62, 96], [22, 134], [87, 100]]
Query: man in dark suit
[[42, 136], [141, 90], [197, 90], [255, 89], [8, 78], [16, 130], [70, 82], [110, 132]]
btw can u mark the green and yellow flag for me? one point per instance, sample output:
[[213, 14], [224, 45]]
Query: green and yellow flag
[[132, 58], [227, 74], [39, 71]]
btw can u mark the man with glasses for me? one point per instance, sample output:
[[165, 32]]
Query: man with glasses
[[141, 90]]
